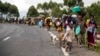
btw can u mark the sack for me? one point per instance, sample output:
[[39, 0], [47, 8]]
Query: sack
[[90, 29], [51, 24], [68, 28], [68, 39], [66, 22], [59, 29], [58, 23], [76, 9], [77, 30]]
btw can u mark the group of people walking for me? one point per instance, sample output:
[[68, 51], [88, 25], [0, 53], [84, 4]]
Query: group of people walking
[[84, 31], [75, 28]]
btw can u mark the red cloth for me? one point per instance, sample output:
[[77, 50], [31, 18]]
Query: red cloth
[[90, 38]]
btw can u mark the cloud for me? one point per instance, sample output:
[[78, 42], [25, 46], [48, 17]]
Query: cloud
[[22, 13], [89, 2]]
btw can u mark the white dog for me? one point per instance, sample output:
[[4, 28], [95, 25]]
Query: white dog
[[53, 38]]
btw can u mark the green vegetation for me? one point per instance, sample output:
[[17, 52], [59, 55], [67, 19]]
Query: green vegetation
[[56, 12], [98, 48], [72, 3], [8, 10], [98, 29], [94, 9], [13, 10], [32, 12], [53, 6]]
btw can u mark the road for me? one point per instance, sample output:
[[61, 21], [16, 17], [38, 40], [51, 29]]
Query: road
[[23, 40]]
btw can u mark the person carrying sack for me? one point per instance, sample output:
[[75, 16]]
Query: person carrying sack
[[51, 23]]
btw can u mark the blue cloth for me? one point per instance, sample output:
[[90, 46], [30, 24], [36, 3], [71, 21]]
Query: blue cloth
[[77, 30], [40, 23], [76, 9]]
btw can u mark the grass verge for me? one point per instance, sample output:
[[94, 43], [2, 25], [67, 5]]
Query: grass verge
[[98, 48]]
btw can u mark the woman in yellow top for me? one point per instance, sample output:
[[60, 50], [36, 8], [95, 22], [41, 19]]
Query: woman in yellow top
[[87, 22]]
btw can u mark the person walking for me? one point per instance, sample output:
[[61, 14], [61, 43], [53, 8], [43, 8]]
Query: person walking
[[48, 23], [69, 36], [40, 23], [80, 30], [91, 32], [59, 25]]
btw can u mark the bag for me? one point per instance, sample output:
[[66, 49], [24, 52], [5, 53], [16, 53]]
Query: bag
[[58, 23], [76, 9], [77, 30], [51, 24], [68, 39], [59, 29], [90, 29], [68, 28], [66, 22]]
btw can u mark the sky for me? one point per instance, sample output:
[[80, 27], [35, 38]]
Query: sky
[[23, 5]]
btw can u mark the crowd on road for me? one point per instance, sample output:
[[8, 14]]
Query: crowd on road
[[28, 21], [72, 28]]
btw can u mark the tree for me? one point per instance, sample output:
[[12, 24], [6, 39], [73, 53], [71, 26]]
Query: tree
[[64, 11], [6, 7], [51, 4], [13, 10], [1, 8], [72, 3], [39, 6], [80, 3], [56, 12], [93, 9], [55, 4], [60, 5], [45, 7], [32, 12]]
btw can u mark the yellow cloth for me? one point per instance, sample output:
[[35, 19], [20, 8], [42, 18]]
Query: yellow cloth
[[51, 24], [87, 22], [59, 28]]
